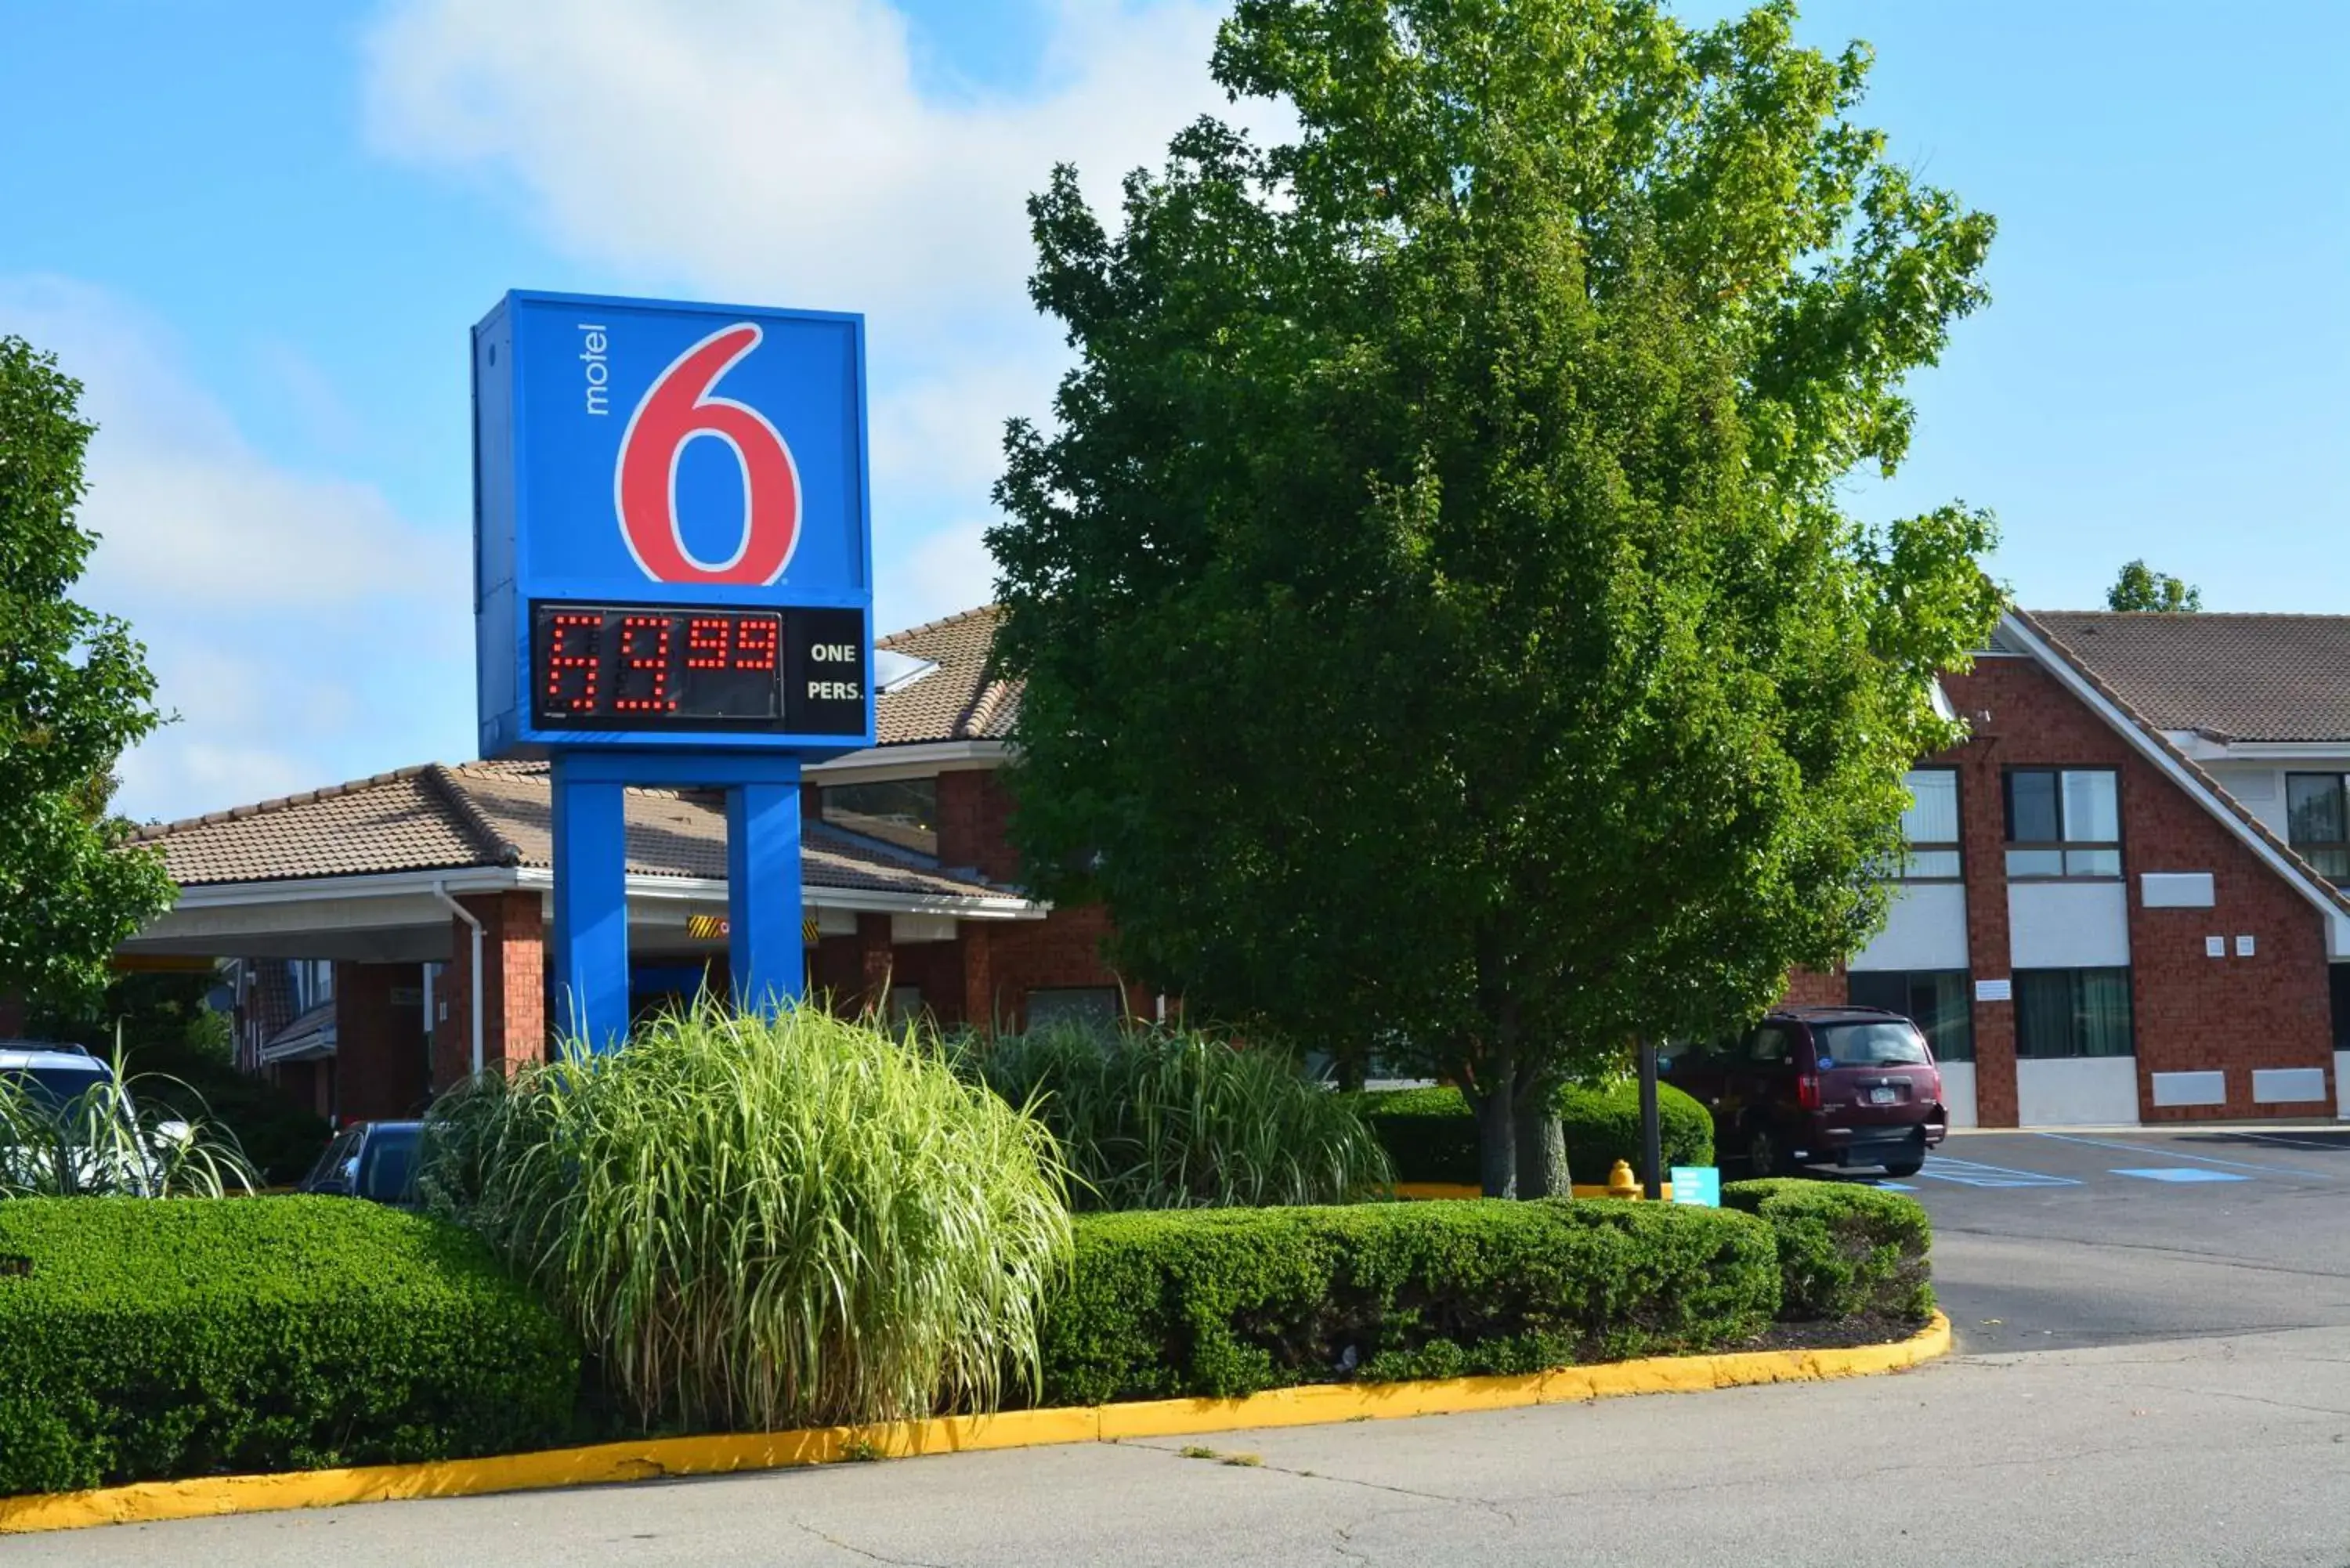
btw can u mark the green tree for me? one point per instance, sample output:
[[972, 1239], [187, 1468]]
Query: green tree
[[2140, 587], [1439, 622], [75, 692]]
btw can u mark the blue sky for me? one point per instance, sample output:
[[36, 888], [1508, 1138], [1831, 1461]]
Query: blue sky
[[259, 231]]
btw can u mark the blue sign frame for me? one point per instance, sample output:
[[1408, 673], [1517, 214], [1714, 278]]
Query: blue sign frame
[[622, 454], [672, 585]]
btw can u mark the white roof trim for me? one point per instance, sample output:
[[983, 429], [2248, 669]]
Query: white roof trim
[[2172, 766], [913, 760], [501, 879]]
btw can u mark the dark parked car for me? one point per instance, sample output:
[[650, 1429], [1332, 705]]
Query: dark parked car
[[375, 1160], [1819, 1085]]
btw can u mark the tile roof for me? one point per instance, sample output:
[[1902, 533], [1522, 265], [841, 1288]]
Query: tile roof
[[2233, 676], [439, 817], [963, 698]]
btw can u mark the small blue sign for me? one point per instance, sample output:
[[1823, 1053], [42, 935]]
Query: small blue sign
[[670, 527], [1698, 1184]]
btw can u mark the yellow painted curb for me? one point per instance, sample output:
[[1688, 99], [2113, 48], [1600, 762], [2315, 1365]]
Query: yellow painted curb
[[148, 1502], [1469, 1190]]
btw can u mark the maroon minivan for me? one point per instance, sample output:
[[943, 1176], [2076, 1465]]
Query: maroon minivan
[[1819, 1085]]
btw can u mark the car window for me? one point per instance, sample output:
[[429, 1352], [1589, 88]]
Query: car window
[[1770, 1044], [1891, 1044], [327, 1172], [385, 1169], [55, 1086]]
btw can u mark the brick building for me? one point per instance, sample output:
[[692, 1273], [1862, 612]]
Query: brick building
[[2120, 902]]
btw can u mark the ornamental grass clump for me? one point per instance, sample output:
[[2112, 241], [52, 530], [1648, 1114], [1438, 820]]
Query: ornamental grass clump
[[766, 1223], [103, 1141], [1161, 1118]]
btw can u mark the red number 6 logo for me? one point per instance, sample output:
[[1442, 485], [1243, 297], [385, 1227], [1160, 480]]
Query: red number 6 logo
[[676, 408]]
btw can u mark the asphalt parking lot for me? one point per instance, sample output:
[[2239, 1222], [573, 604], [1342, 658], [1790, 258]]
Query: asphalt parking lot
[[2069, 1239]]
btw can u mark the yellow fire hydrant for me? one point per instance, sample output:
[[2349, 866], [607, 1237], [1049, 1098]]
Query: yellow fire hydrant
[[1621, 1182]]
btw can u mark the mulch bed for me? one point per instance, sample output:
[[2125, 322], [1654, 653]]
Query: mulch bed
[[1835, 1334]]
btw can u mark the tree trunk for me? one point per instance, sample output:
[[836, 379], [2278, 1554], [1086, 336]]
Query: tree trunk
[[1542, 1150], [1496, 1107]]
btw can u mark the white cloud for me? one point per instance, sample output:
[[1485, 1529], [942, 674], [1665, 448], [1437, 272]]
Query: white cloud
[[186, 511], [948, 570], [767, 145], [782, 150], [271, 601]]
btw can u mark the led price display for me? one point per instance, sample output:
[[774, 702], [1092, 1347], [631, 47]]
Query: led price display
[[655, 666]]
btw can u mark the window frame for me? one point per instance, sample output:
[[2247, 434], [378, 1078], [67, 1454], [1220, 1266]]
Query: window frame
[[1963, 1018], [828, 794], [2129, 1015], [2062, 847], [2310, 849], [1955, 847]]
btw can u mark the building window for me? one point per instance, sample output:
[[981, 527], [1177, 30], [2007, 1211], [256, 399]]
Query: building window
[[903, 812], [2337, 979], [314, 983], [2073, 1012], [1929, 828], [1935, 1000], [1072, 1004], [2064, 822], [2317, 822]]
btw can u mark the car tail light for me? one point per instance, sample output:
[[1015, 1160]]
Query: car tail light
[[1807, 1091]]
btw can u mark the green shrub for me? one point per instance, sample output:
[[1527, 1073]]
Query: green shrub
[[1844, 1251], [1603, 1126], [1151, 1118], [1431, 1135], [143, 1339], [1229, 1302], [758, 1223]]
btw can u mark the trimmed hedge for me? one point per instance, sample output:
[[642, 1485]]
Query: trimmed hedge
[[145, 1339], [1603, 1126], [1217, 1303], [1431, 1135], [1844, 1251]]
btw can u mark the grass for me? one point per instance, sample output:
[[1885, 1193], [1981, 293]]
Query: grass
[[1156, 1118], [763, 1224]]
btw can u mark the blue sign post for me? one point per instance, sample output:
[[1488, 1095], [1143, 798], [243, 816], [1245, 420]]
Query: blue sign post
[[672, 585]]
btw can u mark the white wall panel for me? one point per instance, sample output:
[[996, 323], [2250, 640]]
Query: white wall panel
[[2067, 924], [2288, 1085], [1958, 1092], [2077, 1092], [2190, 1088], [1926, 927]]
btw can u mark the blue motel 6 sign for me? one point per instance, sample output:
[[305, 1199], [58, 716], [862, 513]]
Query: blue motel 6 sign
[[673, 584]]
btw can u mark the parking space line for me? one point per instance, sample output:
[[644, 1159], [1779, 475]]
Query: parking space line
[[2164, 1151], [1975, 1173], [2182, 1173]]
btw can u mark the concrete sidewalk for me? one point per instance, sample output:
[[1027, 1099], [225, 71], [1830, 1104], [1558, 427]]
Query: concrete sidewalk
[[2191, 1452]]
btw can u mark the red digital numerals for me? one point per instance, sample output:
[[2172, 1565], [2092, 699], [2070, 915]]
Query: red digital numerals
[[644, 664], [643, 651], [705, 642], [575, 651], [754, 645]]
